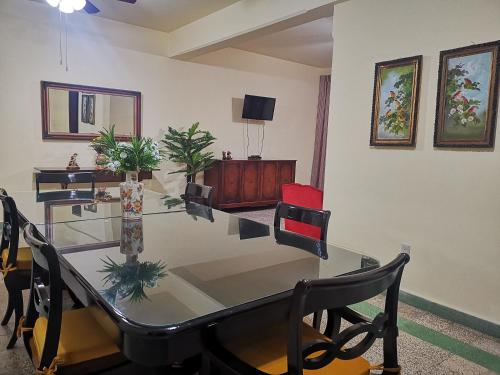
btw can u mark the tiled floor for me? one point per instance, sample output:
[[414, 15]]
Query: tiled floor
[[427, 344]]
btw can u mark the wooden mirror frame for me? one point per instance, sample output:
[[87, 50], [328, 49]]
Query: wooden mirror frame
[[46, 134]]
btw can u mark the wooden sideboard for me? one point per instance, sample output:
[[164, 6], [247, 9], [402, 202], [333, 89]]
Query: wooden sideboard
[[249, 183], [100, 175]]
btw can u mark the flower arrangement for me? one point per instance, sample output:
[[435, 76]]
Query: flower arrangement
[[136, 155], [460, 105]]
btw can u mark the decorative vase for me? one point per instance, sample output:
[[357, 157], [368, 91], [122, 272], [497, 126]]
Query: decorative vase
[[131, 197]]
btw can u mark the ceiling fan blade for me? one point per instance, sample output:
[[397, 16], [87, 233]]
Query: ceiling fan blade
[[129, 1], [91, 8]]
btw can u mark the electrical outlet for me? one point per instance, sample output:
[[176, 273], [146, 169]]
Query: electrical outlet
[[405, 248]]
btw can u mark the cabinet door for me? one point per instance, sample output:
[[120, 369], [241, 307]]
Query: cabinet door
[[286, 174], [250, 182], [231, 182], [269, 177]]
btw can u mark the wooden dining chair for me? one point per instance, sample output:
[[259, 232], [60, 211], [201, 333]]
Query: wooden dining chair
[[316, 219], [296, 348], [197, 193], [65, 179], [15, 264], [69, 342]]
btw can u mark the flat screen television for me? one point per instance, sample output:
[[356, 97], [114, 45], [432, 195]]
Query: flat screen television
[[258, 108]]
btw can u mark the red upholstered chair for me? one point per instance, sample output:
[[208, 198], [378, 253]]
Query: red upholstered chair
[[305, 196]]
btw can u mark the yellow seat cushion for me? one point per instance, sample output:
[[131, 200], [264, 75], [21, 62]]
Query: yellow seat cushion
[[267, 351], [82, 338], [24, 258]]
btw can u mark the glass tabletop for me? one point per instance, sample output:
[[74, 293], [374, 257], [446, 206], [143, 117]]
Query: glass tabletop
[[168, 270], [49, 207]]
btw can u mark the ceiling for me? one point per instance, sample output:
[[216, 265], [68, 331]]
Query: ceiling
[[310, 43], [163, 15]]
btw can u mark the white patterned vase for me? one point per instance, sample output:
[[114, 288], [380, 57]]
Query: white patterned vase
[[131, 197]]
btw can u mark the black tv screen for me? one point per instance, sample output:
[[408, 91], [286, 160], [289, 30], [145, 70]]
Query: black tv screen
[[258, 108]]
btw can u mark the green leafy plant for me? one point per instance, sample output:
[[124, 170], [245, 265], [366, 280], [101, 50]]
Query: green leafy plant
[[136, 155], [187, 147], [129, 279]]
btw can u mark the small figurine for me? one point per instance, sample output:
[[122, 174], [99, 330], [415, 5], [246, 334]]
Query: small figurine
[[224, 157], [229, 157], [73, 165]]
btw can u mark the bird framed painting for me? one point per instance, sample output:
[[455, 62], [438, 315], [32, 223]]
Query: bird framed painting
[[467, 96], [395, 102]]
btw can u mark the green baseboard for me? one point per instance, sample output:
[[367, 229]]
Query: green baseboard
[[456, 316]]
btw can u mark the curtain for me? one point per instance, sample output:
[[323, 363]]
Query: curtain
[[318, 166]]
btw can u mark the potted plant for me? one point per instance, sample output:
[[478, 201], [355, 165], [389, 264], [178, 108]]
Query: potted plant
[[187, 147], [129, 157]]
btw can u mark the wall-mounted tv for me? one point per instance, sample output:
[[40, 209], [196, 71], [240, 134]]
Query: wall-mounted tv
[[258, 108]]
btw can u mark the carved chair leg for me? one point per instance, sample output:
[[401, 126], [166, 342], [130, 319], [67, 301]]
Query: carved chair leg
[[18, 309], [9, 311]]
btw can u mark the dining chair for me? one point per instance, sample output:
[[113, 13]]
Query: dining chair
[[69, 342], [197, 193], [296, 348], [15, 264], [64, 179], [313, 218]]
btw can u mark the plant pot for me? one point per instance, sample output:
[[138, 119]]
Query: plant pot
[[101, 161], [131, 197]]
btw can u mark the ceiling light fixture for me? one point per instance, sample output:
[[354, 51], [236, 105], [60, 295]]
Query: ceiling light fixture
[[68, 6]]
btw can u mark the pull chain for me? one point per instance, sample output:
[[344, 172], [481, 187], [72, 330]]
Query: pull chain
[[60, 39], [66, 38]]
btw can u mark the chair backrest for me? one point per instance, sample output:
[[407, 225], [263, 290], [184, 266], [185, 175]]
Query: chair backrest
[[65, 179], [10, 229], [45, 300], [309, 216], [334, 295], [199, 194]]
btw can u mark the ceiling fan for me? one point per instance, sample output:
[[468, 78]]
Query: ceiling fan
[[69, 6]]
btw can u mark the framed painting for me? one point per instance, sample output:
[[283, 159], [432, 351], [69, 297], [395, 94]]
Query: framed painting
[[395, 102], [467, 96]]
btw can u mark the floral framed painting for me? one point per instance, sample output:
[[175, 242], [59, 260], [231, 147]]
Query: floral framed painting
[[467, 96], [395, 102]]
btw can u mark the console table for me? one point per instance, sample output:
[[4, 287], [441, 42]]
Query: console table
[[249, 183], [100, 175]]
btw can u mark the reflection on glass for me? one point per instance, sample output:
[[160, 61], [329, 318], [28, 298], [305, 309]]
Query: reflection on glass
[[170, 201], [311, 245], [81, 112], [129, 279], [61, 195], [198, 210], [252, 229]]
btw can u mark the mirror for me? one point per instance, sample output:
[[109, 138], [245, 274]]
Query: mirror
[[80, 112]]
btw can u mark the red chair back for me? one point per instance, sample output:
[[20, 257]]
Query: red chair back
[[305, 196]]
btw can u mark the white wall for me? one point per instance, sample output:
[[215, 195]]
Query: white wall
[[445, 203], [176, 93]]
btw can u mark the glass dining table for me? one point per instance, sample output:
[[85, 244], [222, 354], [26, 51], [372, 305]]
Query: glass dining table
[[163, 279]]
